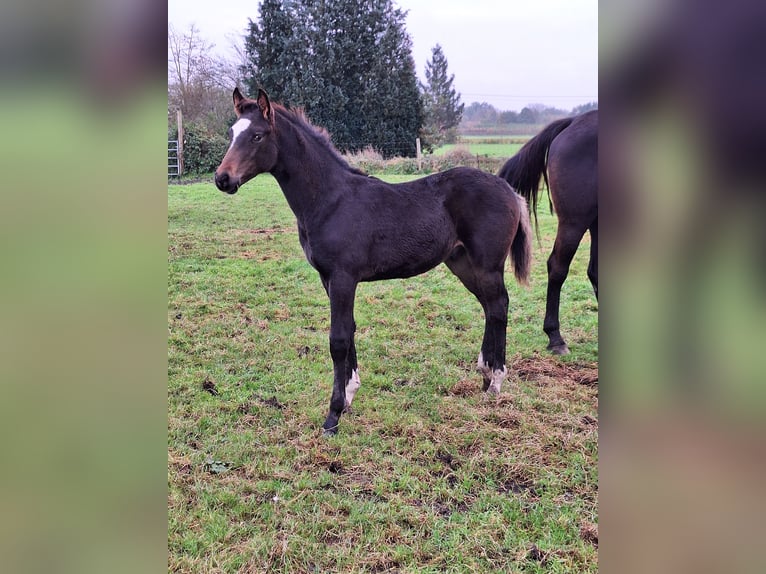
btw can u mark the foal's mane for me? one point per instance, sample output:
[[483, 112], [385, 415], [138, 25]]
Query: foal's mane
[[298, 119]]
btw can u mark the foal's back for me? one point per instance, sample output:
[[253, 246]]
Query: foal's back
[[385, 231]]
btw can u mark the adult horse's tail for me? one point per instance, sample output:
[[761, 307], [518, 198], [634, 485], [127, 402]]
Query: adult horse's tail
[[521, 246], [525, 169]]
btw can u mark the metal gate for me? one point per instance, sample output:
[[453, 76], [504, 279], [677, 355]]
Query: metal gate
[[173, 159]]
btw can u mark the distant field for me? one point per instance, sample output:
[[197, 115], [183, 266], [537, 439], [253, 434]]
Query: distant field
[[425, 475], [524, 130], [492, 147]]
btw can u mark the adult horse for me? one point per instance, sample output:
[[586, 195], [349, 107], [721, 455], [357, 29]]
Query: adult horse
[[355, 228], [565, 154]]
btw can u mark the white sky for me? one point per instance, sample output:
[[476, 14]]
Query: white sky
[[508, 53]]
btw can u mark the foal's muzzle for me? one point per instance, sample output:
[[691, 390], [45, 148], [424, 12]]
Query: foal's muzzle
[[226, 183]]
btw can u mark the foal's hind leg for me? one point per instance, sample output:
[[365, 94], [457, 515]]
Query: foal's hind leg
[[567, 240], [491, 361], [489, 289], [352, 373]]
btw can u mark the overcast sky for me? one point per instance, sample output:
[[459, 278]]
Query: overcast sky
[[508, 53]]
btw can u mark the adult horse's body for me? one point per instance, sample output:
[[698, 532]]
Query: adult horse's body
[[357, 228], [565, 154]]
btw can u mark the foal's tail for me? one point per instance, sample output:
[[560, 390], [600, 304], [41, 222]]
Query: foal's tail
[[525, 169], [521, 247]]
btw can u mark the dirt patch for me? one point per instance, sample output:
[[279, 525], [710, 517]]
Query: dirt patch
[[180, 464], [304, 351], [272, 402], [506, 419], [537, 555], [464, 388], [589, 533], [209, 386], [588, 421], [446, 458], [257, 255], [517, 485], [536, 367], [254, 237], [443, 509], [264, 232], [447, 510]]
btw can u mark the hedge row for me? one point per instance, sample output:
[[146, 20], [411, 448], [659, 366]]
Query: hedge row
[[204, 151], [372, 162]]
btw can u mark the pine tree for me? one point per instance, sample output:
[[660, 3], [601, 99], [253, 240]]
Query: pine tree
[[442, 106], [348, 63], [270, 45]]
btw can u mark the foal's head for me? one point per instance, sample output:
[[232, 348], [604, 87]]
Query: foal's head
[[253, 147]]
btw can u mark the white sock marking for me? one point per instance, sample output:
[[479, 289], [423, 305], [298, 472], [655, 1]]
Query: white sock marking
[[482, 366], [495, 377], [498, 376], [352, 386]]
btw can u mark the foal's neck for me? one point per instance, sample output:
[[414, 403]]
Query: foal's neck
[[308, 170]]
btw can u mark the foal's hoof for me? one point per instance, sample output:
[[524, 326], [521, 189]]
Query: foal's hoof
[[559, 349], [329, 429]]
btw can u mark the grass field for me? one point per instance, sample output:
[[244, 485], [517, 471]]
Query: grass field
[[424, 475], [503, 147]]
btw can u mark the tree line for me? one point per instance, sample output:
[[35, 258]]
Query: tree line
[[484, 114], [347, 63]]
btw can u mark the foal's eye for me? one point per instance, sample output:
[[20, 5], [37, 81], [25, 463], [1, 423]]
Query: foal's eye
[[257, 137]]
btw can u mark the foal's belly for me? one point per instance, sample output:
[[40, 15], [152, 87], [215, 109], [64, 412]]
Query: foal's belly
[[404, 256], [380, 249]]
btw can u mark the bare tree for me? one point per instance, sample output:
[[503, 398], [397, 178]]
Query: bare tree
[[232, 67], [199, 82]]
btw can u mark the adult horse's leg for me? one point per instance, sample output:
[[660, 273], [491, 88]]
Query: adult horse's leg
[[489, 288], [593, 264], [341, 290], [568, 239]]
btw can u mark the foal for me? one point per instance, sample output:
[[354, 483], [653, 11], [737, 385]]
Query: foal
[[355, 228]]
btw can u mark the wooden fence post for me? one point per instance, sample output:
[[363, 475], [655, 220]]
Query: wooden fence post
[[180, 122], [419, 155]]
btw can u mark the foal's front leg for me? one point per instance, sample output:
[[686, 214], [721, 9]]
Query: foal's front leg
[[341, 290], [352, 373]]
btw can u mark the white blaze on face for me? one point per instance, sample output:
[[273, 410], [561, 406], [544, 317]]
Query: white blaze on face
[[239, 126], [352, 386]]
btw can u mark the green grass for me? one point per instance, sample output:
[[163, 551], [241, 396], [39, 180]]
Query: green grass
[[491, 146], [424, 475], [504, 150]]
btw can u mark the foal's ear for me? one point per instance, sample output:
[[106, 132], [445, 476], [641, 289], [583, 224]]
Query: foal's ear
[[264, 104], [238, 97]]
